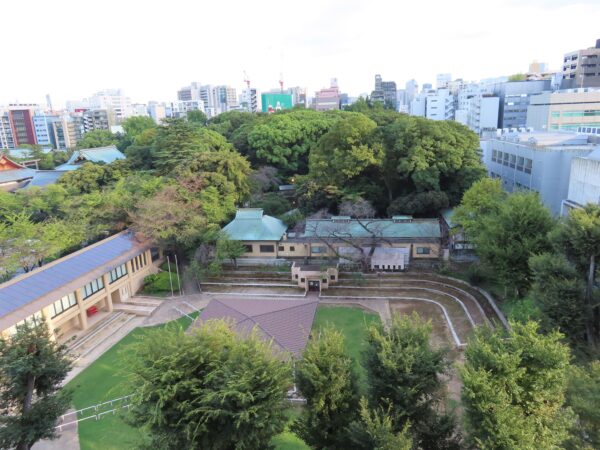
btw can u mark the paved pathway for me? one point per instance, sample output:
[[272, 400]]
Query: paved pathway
[[67, 440]]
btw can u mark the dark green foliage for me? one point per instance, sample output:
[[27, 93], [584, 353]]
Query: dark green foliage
[[208, 389], [160, 283], [272, 203], [403, 373], [326, 379], [32, 368], [426, 204], [375, 431], [134, 126], [559, 291], [514, 387]]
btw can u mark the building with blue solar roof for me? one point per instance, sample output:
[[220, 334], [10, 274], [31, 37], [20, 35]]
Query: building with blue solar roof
[[68, 291]]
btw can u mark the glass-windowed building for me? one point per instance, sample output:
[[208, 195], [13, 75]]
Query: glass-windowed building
[[80, 288]]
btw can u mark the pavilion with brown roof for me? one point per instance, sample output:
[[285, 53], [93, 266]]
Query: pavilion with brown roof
[[287, 323]]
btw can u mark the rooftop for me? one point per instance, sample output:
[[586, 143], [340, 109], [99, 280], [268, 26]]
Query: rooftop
[[367, 228], [30, 292], [250, 224], [286, 322], [43, 178], [97, 155]]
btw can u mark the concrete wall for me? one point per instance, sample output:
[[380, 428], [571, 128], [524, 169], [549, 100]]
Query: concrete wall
[[584, 184]]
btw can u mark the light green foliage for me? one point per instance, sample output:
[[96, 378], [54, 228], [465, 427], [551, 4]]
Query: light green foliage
[[32, 367], [196, 117], [97, 138], [228, 249], [583, 396], [92, 177], [483, 198], [375, 431], [404, 376], [285, 139], [135, 126], [514, 387], [505, 240], [326, 379], [208, 389], [559, 291], [517, 77], [344, 152]]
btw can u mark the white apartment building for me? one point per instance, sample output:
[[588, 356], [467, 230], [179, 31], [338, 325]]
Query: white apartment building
[[440, 105]]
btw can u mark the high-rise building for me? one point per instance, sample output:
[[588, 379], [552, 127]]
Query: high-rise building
[[42, 124], [67, 131], [385, 92], [114, 101], [157, 111], [412, 89], [581, 68], [21, 123], [514, 100], [564, 110], [215, 99], [328, 99], [97, 119], [442, 80], [6, 134], [538, 67], [251, 100], [440, 105], [139, 109]]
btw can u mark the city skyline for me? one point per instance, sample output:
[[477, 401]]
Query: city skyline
[[150, 54]]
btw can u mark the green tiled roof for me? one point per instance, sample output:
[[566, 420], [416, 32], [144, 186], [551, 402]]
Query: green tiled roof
[[448, 214], [385, 228], [250, 224]]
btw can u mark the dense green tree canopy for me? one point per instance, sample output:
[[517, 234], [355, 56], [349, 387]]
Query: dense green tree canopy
[[134, 126], [97, 138], [211, 388], [514, 387]]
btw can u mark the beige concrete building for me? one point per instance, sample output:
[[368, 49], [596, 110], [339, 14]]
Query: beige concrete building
[[340, 238], [564, 110], [80, 289]]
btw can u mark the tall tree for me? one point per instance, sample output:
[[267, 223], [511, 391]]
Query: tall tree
[[514, 385], [507, 239], [32, 367], [578, 235], [211, 388], [196, 117], [559, 291], [326, 379], [404, 375]]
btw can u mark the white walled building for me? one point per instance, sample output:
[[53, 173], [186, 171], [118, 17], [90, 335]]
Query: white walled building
[[440, 105]]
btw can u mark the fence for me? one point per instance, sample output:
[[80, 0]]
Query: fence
[[93, 412]]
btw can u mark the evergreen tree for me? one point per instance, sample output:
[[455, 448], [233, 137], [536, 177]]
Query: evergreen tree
[[404, 375], [514, 387], [326, 379], [211, 388], [32, 367]]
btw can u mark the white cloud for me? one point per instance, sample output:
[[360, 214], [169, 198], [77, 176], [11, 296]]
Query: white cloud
[[71, 49]]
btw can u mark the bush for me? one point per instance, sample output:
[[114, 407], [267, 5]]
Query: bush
[[159, 283], [475, 275]]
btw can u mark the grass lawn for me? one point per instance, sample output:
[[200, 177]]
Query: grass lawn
[[104, 380], [353, 322]]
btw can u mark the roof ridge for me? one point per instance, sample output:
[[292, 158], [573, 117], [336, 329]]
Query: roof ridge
[[287, 309]]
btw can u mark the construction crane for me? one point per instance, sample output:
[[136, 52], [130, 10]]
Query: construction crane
[[281, 81], [246, 79]]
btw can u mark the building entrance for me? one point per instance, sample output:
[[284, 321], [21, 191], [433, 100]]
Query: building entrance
[[314, 285]]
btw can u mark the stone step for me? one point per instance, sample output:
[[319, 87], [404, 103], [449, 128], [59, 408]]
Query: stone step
[[130, 308], [143, 301]]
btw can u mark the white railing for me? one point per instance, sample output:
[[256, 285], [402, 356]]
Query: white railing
[[93, 412]]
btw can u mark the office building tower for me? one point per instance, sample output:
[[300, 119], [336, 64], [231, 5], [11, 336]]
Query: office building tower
[[564, 110], [442, 80], [515, 97], [328, 99], [21, 122], [581, 68]]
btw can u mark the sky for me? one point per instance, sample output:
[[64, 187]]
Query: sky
[[150, 49]]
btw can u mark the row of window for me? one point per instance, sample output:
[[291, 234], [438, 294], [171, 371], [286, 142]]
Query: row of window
[[62, 305], [138, 262], [117, 272], [92, 287], [513, 161], [583, 113]]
